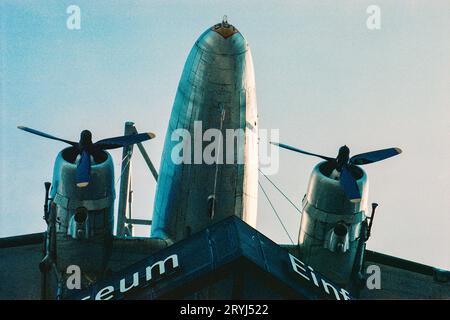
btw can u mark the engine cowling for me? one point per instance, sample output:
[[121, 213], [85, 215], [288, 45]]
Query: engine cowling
[[84, 216], [331, 235]]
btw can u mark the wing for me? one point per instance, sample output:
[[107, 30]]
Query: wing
[[45, 135], [83, 170], [374, 156], [118, 142], [348, 183], [285, 146]]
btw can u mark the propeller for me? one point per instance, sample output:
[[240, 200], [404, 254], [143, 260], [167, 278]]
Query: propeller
[[343, 162], [86, 148]]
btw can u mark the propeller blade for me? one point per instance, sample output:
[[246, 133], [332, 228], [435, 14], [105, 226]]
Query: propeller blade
[[119, 142], [374, 156], [285, 146], [45, 135], [348, 183], [83, 170]]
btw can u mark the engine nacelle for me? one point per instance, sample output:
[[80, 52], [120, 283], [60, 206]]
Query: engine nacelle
[[84, 216], [332, 226]]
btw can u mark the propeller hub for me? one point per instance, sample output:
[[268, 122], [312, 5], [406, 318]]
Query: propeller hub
[[85, 138], [342, 158]]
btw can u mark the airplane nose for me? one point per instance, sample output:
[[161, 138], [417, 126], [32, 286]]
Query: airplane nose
[[223, 38]]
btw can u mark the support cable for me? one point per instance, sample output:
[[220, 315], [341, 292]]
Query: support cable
[[275, 211]]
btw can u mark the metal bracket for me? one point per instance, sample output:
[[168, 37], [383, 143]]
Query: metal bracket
[[124, 221]]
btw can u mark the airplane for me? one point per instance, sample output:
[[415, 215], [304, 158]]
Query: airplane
[[203, 243]]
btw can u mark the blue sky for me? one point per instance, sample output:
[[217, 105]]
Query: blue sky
[[322, 78]]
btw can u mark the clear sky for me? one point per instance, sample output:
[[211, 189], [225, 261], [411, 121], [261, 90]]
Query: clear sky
[[322, 78]]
